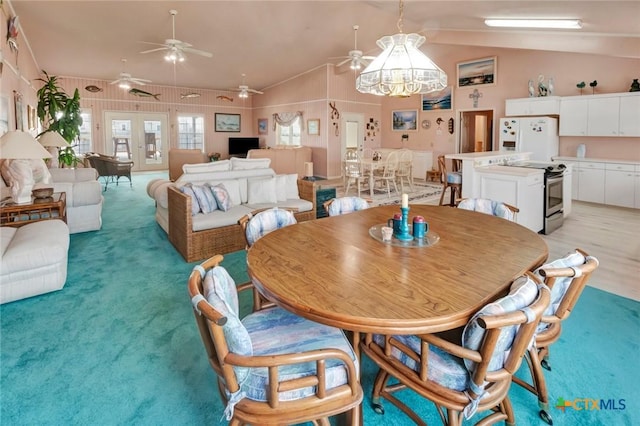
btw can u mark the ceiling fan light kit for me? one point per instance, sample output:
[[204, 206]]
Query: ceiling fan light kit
[[567, 24], [125, 79], [401, 70]]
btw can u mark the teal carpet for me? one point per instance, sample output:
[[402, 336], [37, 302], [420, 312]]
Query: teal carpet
[[119, 345]]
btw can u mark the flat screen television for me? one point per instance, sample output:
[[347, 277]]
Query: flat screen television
[[239, 147]]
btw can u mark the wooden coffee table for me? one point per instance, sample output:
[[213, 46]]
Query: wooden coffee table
[[54, 207]]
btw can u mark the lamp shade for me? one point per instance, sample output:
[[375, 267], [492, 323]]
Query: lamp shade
[[401, 69], [21, 145], [52, 139]]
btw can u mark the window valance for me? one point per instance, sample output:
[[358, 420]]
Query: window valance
[[287, 118]]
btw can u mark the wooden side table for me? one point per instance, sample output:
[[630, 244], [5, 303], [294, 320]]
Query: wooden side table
[[54, 207]]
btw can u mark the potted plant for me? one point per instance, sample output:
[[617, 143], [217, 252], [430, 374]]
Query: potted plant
[[60, 113]]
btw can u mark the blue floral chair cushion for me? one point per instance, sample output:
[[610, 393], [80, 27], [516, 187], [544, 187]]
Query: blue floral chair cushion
[[346, 205], [484, 205], [454, 177], [217, 288], [445, 369], [275, 331], [523, 292], [562, 284], [267, 221]]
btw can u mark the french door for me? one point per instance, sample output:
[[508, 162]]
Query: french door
[[138, 136]]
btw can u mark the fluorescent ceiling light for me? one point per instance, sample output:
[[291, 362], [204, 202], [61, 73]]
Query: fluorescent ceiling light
[[535, 23]]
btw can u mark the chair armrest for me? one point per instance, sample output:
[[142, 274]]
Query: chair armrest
[[307, 191]]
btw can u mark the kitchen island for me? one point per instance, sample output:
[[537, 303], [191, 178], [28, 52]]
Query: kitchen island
[[493, 175]]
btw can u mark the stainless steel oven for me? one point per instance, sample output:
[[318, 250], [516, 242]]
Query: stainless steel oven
[[553, 196], [553, 200]]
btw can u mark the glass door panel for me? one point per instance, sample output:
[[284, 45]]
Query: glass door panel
[[140, 137]]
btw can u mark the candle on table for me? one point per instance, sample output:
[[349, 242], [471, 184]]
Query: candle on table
[[405, 201]]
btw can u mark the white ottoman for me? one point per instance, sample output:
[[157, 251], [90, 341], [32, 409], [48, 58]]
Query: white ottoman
[[34, 259]]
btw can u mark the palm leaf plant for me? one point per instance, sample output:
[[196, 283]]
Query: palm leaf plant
[[60, 113]]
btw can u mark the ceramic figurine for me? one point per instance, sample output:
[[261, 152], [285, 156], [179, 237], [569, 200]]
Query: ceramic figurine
[[581, 86], [635, 86], [532, 91], [542, 89], [550, 86], [593, 85]]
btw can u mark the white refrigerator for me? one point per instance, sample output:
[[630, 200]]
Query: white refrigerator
[[538, 135]]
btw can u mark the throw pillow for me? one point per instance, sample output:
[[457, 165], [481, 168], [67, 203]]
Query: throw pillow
[[214, 166], [222, 197], [233, 188], [206, 200], [195, 205], [281, 187], [292, 187], [249, 163], [262, 191]]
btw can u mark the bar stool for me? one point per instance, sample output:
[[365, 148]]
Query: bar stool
[[452, 180], [121, 142]]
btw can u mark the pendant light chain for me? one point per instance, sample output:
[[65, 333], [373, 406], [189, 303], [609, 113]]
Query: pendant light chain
[[401, 7]]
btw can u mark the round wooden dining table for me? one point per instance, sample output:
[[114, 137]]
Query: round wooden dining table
[[333, 271]]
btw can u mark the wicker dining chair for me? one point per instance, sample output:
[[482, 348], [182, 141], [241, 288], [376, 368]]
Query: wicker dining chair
[[272, 367], [566, 277], [344, 205], [492, 207], [467, 374], [259, 223]]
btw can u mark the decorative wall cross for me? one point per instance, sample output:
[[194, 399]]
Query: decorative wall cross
[[475, 96]]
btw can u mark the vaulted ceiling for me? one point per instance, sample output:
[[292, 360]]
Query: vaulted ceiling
[[271, 41]]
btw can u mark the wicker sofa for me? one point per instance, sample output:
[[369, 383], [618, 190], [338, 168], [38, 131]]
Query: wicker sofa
[[199, 236]]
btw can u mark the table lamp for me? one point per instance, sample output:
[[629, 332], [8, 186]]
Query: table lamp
[[18, 145], [52, 141]]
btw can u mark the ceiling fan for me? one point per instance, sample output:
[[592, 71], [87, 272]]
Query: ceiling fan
[[125, 80], [355, 57], [245, 90], [174, 47]]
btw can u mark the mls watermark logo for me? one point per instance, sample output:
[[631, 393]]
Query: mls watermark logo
[[589, 404]]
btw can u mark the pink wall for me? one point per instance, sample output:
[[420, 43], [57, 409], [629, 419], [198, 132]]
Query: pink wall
[[312, 91]]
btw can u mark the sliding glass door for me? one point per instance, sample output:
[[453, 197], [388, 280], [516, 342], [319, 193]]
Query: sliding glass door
[[141, 137]]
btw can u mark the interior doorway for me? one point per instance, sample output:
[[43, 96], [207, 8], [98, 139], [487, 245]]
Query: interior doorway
[[352, 132], [476, 130]]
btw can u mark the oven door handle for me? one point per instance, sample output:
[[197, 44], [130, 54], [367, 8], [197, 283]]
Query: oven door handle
[[554, 179]]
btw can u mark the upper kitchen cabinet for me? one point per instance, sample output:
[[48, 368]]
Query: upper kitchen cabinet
[[547, 105], [600, 115]]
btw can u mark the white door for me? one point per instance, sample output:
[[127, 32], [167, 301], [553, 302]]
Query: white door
[[137, 136], [352, 132]]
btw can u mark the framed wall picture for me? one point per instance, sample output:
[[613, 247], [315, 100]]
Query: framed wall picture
[[4, 115], [440, 100], [17, 98], [404, 121], [227, 122], [263, 126], [479, 72], [313, 126]]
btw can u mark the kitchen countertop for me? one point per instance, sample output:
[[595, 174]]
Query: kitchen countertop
[[510, 170], [595, 160]]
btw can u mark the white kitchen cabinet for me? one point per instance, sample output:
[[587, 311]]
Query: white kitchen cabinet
[[547, 105], [590, 181], [603, 116], [573, 116], [629, 113], [637, 188], [610, 115], [619, 185], [524, 192], [422, 161]]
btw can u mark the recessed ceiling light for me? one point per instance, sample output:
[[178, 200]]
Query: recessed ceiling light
[[535, 23]]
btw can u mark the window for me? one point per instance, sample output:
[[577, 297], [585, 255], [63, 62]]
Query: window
[[191, 132], [84, 144], [289, 135]]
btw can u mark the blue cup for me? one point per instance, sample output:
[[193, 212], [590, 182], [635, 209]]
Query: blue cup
[[420, 227], [395, 223]]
